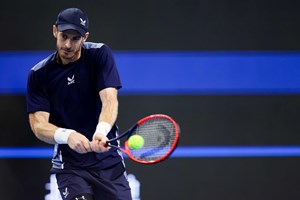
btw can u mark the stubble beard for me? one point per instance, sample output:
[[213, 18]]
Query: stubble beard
[[69, 55]]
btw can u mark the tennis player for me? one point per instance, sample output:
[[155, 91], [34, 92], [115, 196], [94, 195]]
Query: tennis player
[[72, 103]]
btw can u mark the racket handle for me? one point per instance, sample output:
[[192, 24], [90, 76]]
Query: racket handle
[[110, 145]]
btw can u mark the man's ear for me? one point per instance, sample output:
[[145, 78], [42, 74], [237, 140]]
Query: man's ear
[[86, 36], [55, 31]]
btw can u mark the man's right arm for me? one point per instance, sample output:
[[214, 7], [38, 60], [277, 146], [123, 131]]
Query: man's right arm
[[43, 130], [51, 134]]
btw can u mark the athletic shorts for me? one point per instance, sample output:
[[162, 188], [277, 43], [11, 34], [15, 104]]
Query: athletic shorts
[[104, 184]]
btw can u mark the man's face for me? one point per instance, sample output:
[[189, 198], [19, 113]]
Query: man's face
[[68, 44]]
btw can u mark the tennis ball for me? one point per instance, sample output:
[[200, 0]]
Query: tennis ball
[[135, 142]]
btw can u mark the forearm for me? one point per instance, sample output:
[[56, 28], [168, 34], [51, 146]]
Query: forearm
[[52, 134], [109, 110], [110, 104], [47, 132], [42, 129], [107, 118]]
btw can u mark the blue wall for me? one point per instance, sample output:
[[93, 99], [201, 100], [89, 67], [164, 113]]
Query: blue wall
[[237, 72]]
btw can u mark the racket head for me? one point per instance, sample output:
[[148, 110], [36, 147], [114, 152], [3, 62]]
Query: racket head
[[160, 133]]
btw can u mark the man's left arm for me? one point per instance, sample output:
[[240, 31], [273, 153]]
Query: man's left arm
[[107, 118]]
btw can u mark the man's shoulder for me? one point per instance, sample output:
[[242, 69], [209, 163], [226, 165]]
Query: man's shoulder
[[97, 49], [93, 45], [43, 63]]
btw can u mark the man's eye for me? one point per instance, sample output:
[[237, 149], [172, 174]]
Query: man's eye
[[76, 38]]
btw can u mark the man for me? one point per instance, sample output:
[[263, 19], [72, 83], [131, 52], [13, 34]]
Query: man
[[72, 103]]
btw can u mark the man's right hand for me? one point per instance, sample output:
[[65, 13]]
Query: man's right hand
[[79, 143]]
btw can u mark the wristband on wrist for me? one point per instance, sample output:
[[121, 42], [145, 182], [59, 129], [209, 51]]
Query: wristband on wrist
[[61, 135], [103, 128]]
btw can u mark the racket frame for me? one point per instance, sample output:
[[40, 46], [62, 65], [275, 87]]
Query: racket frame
[[131, 130]]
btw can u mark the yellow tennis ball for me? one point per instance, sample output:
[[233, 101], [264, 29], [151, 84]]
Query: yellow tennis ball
[[135, 142]]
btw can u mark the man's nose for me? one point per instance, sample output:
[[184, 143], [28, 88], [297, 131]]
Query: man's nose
[[68, 43]]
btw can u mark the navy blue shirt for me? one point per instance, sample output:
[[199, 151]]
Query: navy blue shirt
[[70, 93]]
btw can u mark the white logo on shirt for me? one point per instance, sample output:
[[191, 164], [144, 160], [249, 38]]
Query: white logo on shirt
[[71, 80], [66, 193]]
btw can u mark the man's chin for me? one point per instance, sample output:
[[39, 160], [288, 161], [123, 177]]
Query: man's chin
[[66, 56]]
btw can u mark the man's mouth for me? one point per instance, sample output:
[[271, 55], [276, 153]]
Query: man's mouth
[[67, 50]]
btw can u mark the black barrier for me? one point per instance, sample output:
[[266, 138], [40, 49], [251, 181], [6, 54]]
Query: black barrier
[[159, 25]]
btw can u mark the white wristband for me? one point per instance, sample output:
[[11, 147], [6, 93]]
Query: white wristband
[[103, 128], [61, 135]]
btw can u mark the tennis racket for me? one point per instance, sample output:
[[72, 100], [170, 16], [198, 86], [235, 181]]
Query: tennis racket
[[160, 133]]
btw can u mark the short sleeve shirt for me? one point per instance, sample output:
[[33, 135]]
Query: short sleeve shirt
[[70, 93]]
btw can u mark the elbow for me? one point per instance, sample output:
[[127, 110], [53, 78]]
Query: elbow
[[35, 129], [34, 125]]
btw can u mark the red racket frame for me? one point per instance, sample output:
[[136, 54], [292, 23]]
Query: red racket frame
[[127, 149]]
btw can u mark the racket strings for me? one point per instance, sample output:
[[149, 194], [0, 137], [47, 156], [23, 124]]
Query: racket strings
[[159, 137]]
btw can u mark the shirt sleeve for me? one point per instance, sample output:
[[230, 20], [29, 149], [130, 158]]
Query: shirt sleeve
[[106, 71], [36, 95]]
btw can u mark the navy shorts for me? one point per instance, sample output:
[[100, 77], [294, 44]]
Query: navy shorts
[[104, 184]]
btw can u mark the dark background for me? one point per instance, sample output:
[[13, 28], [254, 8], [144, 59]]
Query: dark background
[[159, 24], [206, 120]]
